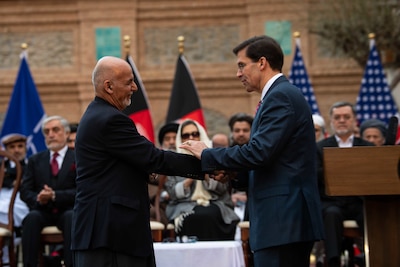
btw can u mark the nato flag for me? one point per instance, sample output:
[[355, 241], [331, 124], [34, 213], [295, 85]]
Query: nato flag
[[25, 111]]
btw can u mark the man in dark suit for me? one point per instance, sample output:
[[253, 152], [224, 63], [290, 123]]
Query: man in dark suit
[[111, 224], [284, 206], [48, 188], [337, 209]]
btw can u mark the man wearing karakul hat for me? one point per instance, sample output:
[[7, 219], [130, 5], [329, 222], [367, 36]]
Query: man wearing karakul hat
[[374, 131], [16, 145]]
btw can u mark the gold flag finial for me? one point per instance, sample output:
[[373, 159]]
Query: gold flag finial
[[24, 46], [371, 35], [181, 45], [296, 34], [127, 44]]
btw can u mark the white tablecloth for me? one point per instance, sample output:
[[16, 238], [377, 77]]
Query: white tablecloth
[[199, 254]]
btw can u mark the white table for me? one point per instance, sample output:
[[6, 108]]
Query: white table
[[199, 254]]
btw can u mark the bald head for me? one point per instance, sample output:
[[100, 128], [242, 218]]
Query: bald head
[[220, 140], [106, 69], [112, 79]]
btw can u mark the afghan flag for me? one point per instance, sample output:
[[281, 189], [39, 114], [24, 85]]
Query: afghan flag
[[184, 102], [139, 110]]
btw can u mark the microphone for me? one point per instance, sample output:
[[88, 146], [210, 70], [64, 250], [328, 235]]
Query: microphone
[[392, 131]]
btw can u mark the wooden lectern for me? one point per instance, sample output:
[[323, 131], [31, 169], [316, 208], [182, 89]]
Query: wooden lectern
[[371, 172]]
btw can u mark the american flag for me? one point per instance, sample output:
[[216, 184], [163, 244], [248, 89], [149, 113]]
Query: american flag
[[375, 99], [298, 76]]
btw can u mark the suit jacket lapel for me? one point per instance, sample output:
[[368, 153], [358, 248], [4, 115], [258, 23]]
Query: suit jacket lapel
[[46, 166], [66, 165], [259, 110], [332, 141]]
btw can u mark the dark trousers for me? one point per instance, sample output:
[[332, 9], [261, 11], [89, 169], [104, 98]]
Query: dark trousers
[[32, 227], [333, 216], [290, 255], [106, 258]]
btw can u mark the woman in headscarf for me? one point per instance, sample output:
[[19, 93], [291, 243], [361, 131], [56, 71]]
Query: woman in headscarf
[[199, 208]]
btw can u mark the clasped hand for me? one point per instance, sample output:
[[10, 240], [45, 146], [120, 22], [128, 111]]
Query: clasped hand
[[45, 195], [223, 176], [196, 148]]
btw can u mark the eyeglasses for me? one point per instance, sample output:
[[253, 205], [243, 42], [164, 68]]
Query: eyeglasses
[[242, 65], [187, 135]]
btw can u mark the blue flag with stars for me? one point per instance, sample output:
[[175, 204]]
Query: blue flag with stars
[[298, 76], [375, 100], [25, 111]]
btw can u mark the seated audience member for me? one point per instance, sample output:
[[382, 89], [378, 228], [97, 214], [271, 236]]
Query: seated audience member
[[319, 125], [373, 131], [357, 131], [167, 136], [320, 133], [199, 208], [16, 145], [336, 209], [240, 126], [49, 188], [72, 135], [220, 140]]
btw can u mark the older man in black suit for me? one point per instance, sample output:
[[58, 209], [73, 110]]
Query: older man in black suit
[[111, 224], [48, 188]]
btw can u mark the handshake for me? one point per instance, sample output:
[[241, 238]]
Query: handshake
[[196, 148], [223, 176]]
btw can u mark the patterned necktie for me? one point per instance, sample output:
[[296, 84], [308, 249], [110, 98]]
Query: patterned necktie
[[54, 164]]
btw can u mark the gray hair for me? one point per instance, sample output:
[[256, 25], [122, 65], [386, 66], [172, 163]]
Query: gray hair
[[63, 122]]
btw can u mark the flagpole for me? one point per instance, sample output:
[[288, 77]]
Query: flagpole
[[371, 37], [24, 52], [181, 44], [296, 36], [127, 44]]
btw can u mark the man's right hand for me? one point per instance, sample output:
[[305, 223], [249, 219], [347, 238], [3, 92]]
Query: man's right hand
[[45, 195], [223, 176]]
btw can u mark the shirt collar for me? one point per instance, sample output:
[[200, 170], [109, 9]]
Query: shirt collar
[[269, 84], [61, 152], [347, 143]]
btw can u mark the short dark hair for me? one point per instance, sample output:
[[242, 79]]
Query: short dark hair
[[343, 104], [240, 117], [74, 127], [263, 46]]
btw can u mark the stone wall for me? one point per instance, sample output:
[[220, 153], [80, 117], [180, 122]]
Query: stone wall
[[61, 38]]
